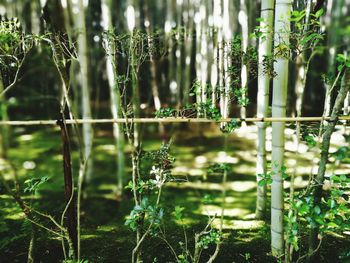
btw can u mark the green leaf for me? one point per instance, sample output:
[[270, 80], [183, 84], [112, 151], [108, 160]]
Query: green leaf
[[317, 209], [319, 13], [332, 225]]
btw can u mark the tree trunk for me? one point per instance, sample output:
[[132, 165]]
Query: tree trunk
[[265, 49], [279, 101], [4, 129], [326, 138], [35, 16], [71, 215]]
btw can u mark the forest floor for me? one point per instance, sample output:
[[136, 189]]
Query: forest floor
[[105, 238]]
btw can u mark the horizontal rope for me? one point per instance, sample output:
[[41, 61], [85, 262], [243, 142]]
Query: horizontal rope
[[170, 120]]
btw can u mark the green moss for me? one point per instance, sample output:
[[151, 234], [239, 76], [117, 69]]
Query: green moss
[[105, 238]]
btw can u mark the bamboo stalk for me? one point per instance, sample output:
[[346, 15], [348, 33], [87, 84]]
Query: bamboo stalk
[[170, 120]]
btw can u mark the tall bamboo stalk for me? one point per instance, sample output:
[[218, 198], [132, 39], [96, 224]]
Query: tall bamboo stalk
[[279, 101], [114, 92], [189, 32], [153, 63], [243, 20], [85, 85], [265, 50], [227, 26], [35, 16]]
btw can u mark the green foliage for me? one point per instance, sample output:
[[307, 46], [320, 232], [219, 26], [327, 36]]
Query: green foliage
[[177, 213], [212, 237], [182, 259], [196, 88], [240, 95], [343, 61], [297, 16], [10, 36], [143, 186], [32, 185], [266, 179], [207, 199], [342, 153], [156, 169], [247, 256], [305, 34], [237, 58], [230, 126], [219, 168], [145, 213], [267, 65], [309, 139], [292, 229], [14, 44], [165, 113], [209, 110], [331, 215]]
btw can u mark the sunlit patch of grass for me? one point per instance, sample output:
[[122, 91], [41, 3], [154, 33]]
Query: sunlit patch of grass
[[238, 186], [234, 224], [187, 221], [13, 213], [215, 210], [107, 228], [109, 148], [88, 236], [25, 137]]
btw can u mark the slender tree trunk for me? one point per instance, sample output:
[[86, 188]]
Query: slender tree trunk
[[115, 98], [153, 62], [171, 42], [332, 23], [35, 16], [227, 37], [179, 53], [135, 140], [71, 219], [280, 85], [203, 77], [265, 51], [221, 60], [243, 20], [214, 72], [302, 67], [326, 138], [4, 129], [67, 7], [198, 18], [347, 105], [85, 86], [189, 31]]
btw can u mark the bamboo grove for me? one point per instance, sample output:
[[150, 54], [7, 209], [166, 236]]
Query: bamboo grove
[[142, 68]]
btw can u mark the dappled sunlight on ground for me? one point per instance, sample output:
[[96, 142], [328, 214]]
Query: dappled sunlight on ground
[[104, 215], [213, 210], [231, 224], [237, 186]]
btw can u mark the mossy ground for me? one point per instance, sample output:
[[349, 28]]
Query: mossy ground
[[105, 238]]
